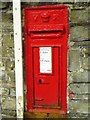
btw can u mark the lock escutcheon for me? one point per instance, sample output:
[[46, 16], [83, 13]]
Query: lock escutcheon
[[40, 81]]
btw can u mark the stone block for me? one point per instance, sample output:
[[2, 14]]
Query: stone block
[[80, 15], [7, 21], [79, 88], [72, 115], [82, 43], [8, 39], [80, 5], [6, 28], [8, 63], [3, 5], [85, 63], [8, 103], [7, 46], [8, 84], [81, 32], [78, 107], [80, 76], [8, 79], [86, 51], [9, 114], [74, 60], [7, 51], [65, 1], [7, 16], [11, 75], [5, 91], [80, 97], [83, 1], [8, 117]]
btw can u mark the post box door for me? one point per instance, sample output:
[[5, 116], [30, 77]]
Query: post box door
[[46, 76]]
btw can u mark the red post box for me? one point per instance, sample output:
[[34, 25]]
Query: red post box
[[46, 44]]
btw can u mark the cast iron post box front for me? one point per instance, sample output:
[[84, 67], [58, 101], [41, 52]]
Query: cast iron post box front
[[46, 44]]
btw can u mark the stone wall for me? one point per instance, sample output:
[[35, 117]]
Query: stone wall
[[78, 57], [7, 65], [78, 65]]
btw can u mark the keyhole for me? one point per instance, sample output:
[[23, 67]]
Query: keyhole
[[40, 81]]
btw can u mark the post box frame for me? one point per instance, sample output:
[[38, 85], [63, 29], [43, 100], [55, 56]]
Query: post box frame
[[63, 46]]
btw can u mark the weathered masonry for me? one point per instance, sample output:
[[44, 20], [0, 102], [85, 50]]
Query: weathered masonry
[[78, 65]]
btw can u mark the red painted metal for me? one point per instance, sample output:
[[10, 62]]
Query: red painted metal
[[46, 27]]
